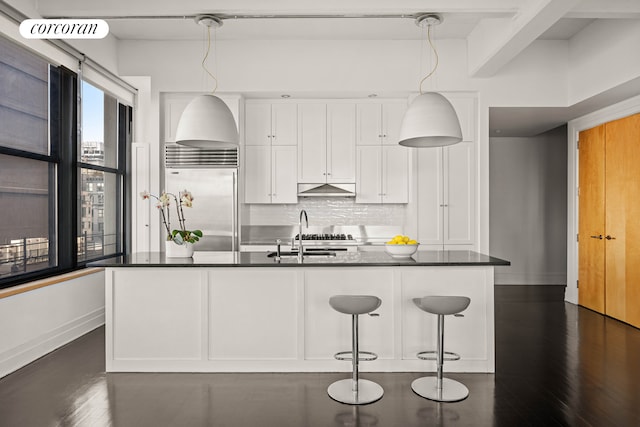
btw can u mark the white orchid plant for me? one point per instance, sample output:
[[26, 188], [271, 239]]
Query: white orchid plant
[[184, 199]]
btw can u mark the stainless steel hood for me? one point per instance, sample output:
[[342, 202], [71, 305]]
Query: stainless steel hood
[[326, 190]]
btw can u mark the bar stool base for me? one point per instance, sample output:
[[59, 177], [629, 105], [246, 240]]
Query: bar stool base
[[342, 391], [452, 391]]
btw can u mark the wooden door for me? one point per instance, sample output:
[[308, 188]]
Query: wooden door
[[622, 297], [591, 246]]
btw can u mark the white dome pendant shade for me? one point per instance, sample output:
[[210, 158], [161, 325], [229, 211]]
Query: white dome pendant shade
[[430, 121], [207, 122]]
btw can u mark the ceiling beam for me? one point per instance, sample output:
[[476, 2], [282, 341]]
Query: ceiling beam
[[495, 42], [606, 9]]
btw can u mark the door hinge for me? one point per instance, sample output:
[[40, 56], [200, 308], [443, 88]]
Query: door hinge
[[577, 237], [577, 284], [578, 144]]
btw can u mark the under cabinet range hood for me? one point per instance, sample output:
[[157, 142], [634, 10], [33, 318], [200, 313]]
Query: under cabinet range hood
[[326, 190]]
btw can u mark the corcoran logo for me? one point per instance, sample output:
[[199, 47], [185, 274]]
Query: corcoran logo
[[64, 29]]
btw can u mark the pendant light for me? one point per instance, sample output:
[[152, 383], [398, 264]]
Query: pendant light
[[207, 122], [430, 120]]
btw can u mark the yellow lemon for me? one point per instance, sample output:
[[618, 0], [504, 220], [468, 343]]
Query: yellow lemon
[[412, 242], [401, 243], [405, 239]]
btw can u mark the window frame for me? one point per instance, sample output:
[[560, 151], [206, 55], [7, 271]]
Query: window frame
[[64, 196]]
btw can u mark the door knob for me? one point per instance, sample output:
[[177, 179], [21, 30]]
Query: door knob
[[599, 236], [609, 237]]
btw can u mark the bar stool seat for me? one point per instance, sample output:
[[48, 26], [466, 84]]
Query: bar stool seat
[[438, 388], [355, 391]]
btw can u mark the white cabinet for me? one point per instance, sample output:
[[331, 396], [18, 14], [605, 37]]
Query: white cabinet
[[270, 124], [312, 140], [270, 161], [382, 174], [341, 143], [446, 195], [326, 143], [270, 174], [379, 123], [263, 305]]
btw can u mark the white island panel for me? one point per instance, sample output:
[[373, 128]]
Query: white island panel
[[156, 316], [254, 314]]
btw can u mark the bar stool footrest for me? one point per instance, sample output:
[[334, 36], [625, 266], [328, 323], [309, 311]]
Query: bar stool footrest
[[433, 355], [364, 356]]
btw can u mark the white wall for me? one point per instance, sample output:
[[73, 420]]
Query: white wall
[[37, 322], [528, 205]]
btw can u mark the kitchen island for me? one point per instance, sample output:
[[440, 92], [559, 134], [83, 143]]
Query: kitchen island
[[246, 312]]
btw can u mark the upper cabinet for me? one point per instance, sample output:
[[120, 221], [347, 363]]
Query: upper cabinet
[[379, 123], [270, 160], [382, 165], [382, 174], [326, 143], [271, 124], [270, 174]]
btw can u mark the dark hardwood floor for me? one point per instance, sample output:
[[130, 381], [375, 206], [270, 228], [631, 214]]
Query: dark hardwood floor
[[557, 365]]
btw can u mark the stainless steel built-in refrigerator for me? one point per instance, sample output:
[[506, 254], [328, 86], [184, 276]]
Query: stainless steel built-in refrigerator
[[211, 175]]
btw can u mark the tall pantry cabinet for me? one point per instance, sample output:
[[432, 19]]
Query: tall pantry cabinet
[[446, 186], [609, 219]]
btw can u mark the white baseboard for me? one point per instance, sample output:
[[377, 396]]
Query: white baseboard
[[530, 279], [19, 356]]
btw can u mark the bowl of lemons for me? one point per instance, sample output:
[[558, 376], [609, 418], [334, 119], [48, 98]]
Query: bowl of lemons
[[401, 246]]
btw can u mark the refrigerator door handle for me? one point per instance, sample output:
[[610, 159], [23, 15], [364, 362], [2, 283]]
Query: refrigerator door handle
[[234, 213]]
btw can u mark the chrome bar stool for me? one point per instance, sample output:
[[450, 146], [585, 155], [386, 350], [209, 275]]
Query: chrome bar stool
[[355, 391], [438, 388]]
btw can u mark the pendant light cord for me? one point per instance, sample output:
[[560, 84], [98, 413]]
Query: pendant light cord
[[435, 52], [206, 55]]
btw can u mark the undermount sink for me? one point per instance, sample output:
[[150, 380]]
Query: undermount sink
[[305, 253]]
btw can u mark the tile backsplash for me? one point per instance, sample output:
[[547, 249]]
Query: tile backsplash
[[327, 211]]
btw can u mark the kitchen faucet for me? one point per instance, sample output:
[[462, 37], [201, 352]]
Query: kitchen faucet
[[306, 219]]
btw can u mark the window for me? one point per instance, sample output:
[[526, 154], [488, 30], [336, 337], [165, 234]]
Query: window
[[61, 199]]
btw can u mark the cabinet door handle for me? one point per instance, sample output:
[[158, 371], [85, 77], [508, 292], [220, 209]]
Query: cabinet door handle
[[609, 237], [599, 236]]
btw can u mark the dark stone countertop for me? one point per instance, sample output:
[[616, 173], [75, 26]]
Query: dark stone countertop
[[342, 259]]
